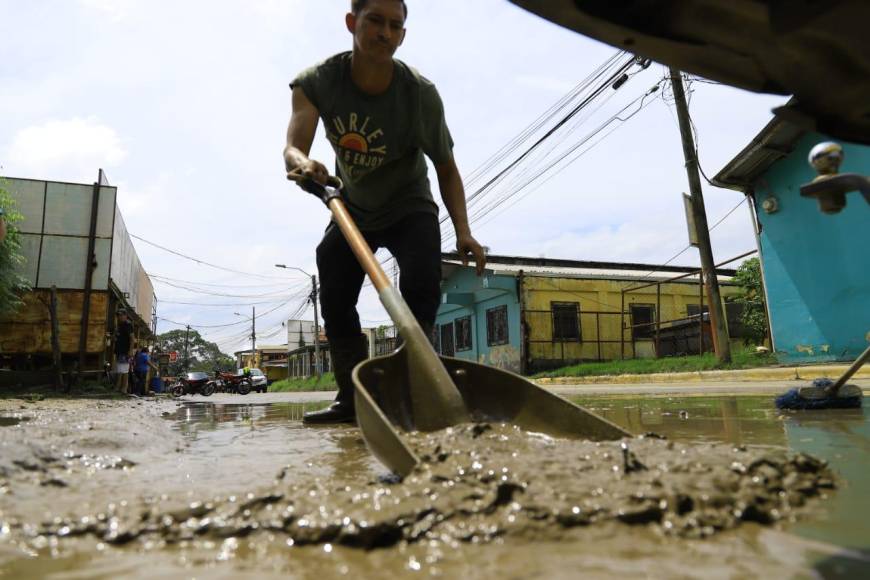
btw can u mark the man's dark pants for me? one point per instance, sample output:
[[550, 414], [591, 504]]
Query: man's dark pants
[[415, 243], [139, 382]]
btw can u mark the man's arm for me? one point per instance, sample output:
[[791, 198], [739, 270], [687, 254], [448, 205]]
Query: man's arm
[[300, 136], [453, 194]]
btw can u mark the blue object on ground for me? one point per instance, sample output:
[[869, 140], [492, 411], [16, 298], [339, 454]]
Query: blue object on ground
[[157, 384], [792, 399]]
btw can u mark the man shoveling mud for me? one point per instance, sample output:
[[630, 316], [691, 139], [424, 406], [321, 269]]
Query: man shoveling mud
[[381, 117]]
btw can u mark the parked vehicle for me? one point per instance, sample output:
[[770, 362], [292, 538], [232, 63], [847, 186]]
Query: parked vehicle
[[259, 381], [232, 383], [191, 384]]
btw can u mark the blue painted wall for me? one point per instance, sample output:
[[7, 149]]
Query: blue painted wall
[[816, 266], [484, 293]]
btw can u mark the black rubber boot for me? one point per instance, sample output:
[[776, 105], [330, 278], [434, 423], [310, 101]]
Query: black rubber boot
[[345, 353]]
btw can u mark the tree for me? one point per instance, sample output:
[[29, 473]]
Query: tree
[[12, 285], [751, 297], [204, 355]]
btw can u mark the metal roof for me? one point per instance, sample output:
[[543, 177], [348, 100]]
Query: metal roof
[[559, 268], [268, 347], [775, 141]]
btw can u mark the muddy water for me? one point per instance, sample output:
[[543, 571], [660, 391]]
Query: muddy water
[[152, 489]]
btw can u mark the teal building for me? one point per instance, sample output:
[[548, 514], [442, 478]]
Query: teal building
[[816, 266]]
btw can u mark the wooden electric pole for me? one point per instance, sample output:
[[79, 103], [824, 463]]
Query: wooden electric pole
[[717, 319], [318, 368], [187, 349]]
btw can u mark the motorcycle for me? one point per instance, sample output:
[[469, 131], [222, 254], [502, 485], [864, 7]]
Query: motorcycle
[[232, 383], [191, 384]]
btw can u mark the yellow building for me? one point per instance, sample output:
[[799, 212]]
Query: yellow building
[[531, 314]]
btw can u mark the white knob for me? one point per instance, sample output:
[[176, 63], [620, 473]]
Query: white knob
[[826, 157]]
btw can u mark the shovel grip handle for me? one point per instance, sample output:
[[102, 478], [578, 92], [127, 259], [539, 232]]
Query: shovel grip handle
[[321, 192], [331, 197]]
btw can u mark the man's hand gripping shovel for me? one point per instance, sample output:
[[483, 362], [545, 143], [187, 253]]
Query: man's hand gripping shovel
[[415, 389]]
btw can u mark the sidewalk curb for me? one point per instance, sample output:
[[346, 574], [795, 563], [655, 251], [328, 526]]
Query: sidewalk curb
[[807, 373]]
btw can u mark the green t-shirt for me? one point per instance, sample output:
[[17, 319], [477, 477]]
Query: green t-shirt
[[379, 140]]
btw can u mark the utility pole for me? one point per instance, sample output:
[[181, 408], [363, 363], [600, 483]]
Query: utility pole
[[708, 266], [313, 297], [187, 349], [253, 336], [317, 366]]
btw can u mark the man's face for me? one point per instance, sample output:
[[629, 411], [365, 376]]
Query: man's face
[[378, 29]]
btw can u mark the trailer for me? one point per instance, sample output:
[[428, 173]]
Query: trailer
[[82, 267]]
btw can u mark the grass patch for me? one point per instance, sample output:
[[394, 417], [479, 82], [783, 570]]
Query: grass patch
[[326, 383], [741, 358]]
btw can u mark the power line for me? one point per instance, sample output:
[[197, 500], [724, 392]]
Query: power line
[[603, 86], [479, 215], [611, 70], [240, 336], [183, 324], [203, 262], [536, 125], [273, 294], [687, 248], [222, 305], [216, 285]]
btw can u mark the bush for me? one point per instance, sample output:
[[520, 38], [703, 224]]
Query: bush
[[751, 296], [12, 285]]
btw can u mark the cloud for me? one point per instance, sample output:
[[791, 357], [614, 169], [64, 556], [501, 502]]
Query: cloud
[[115, 10], [71, 149]]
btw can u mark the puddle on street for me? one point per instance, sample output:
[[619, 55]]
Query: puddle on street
[[232, 447], [839, 436], [230, 450]]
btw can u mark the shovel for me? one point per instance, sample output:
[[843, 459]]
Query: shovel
[[415, 389]]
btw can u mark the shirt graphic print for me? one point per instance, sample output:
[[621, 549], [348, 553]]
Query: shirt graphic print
[[359, 144]]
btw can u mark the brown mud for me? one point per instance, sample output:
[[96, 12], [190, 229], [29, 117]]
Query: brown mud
[[81, 478]]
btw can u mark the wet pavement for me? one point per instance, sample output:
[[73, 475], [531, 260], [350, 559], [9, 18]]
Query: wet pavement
[[249, 462]]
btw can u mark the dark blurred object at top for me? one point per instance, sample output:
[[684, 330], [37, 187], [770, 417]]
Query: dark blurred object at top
[[818, 51]]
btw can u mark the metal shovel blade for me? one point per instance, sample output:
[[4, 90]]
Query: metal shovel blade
[[385, 408]]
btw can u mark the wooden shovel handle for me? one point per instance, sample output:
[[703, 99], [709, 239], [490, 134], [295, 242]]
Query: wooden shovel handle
[[358, 244], [345, 222]]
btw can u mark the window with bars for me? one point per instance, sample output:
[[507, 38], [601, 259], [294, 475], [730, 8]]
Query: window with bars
[[447, 339], [496, 326], [436, 338], [643, 314], [566, 321], [463, 333]]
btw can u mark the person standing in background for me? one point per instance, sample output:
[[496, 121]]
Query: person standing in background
[[123, 343], [141, 364]]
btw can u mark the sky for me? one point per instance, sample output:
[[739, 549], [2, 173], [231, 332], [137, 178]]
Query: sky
[[185, 105]]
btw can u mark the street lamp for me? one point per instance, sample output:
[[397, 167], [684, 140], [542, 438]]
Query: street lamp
[[253, 320], [313, 296]]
